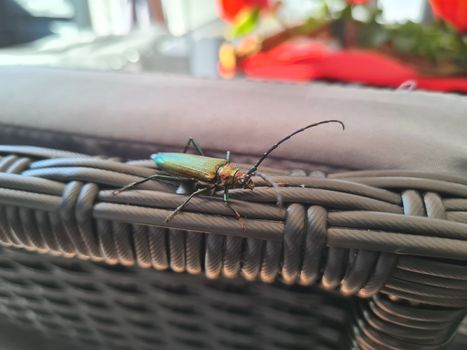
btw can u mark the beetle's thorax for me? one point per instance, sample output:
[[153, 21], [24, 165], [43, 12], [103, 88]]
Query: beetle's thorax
[[229, 175]]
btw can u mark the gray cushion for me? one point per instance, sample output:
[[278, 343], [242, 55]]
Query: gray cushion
[[133, 115]]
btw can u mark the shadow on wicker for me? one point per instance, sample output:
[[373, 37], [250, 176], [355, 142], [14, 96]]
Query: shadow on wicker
[[386, 248]]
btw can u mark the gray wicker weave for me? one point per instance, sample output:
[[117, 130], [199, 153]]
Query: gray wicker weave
[[392, 243]]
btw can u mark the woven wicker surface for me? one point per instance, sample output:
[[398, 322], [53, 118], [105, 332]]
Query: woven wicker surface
[[98, 306], [392, 242]]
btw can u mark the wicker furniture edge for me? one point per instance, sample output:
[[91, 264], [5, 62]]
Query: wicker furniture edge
[[395, 241]]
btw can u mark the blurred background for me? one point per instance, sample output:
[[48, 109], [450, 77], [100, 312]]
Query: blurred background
[[181, 36], [225, 38]]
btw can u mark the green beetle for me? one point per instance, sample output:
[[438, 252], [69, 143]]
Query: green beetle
[[211, 173]]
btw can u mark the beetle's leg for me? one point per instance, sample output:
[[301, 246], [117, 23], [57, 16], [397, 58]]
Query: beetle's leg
[[267, 178], [192, 141], [181, 206], [152, 177], [214, 189], [227, 203]]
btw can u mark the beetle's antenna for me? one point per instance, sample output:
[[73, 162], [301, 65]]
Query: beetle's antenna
[[277, 144]]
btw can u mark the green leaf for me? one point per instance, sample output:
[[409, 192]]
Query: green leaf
[[373, 35], [312, 24], [245, 22], [436, 42]]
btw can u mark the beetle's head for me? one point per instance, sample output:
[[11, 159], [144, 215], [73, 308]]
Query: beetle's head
[[244, 180]]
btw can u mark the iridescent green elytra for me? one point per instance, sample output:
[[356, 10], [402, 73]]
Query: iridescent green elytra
[[190, 165]]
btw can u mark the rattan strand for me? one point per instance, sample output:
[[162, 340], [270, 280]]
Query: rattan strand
[[359, 232]]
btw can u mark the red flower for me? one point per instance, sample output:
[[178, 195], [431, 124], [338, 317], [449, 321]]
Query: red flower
[[230, 8], [357, 2], [452, 11]]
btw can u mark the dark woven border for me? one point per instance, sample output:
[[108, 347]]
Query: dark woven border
[[396, 233]]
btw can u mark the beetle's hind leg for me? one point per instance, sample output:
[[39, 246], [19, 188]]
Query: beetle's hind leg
[[134, 184], [192, 141], [152, 177]]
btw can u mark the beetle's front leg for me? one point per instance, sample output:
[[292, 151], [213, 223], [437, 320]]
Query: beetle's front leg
[[227, 203]]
